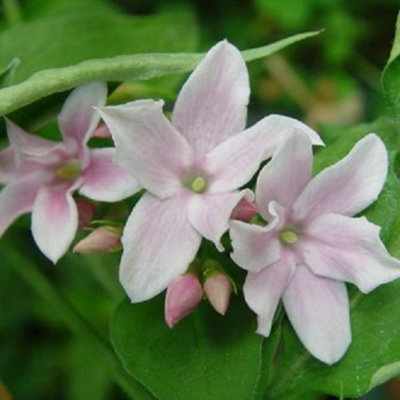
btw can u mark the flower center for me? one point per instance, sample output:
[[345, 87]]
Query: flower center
[[69, 170], [288, 237], [196, 183]]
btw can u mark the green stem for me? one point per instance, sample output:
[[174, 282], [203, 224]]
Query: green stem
[[42, 286], [12, 12]]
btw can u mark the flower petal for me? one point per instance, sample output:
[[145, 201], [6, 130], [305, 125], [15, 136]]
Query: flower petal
[[263, 290], [255, 247], [318, 309], [159, 244], [7, 165], [210, 213], [286, 175], [17, 198], [104, 180], [349, 249], [148, 146], [212, 104], [26, 145], [350, 185], [78, 119], [54, 221]]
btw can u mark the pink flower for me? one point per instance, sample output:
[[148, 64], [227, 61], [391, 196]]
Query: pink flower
[[183, 296], [218, 289], [244, 211], [311, 244], [191, 167], [40, 175], [102, 240]]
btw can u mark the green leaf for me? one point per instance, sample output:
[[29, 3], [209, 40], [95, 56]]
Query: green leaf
[[205, 356], [67, 39], [391, 75], [374, 355], [7, 74], [119, 68]]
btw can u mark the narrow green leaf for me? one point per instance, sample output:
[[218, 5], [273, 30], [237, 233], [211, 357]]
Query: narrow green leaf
[[7, 73], [391, 75], [205, 356], [119, 68]]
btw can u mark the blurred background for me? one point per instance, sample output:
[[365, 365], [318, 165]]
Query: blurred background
[[331, 81]]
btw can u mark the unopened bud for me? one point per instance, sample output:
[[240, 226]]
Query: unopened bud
[[183, 296], [85, 212], [102, 132], [218, 289], [101, 240], [244, 211]]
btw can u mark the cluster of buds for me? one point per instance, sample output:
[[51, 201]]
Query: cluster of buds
[[185, 293]]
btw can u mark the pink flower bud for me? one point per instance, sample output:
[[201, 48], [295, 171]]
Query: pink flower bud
[[101, 240], [85, 213], [183, 296], [101, 132], [244, 211], [218, 289]]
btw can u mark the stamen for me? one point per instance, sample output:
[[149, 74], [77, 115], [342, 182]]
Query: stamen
[[70, 170], [198, 184], [288, 237]]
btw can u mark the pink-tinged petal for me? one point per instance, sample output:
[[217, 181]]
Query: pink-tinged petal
[[257, 247], [286, 175], [212, 104], [104, 180], [183, 295], [350, 185], [17, 198], [78, 119], [54, 221], [210, 213], [263, 290], [318, 309], [148, 146], [26, 145], [349, 249], [159, 244], [7, 165]]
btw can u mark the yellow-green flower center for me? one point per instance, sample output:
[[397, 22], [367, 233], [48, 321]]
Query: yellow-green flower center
[[69, 170], [288, 237], [196, 183]]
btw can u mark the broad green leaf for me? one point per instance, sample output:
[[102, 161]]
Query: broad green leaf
[[374, 355], [391, 75], [205, 356], [76, 37], [119, 68]]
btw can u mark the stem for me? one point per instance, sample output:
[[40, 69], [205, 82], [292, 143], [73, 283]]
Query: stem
[[12, 12], [42, 286]]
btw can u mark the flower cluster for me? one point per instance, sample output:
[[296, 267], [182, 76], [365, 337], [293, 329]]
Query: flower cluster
[[194, 168]]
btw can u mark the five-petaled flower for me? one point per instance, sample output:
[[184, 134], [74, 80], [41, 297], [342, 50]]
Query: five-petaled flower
[[40, 175], [191, 167], [311, 244]]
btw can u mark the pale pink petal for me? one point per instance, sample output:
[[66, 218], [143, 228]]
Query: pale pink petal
[[318, 309], [17, 198], [159, 244], [24, 144], [349, 249], [212, 104], [218, 289], [257, 247], [263, 290], [233, 163], [104, 180], [210, 213], [350, 185], [7, 165], [286, 175], [54, 221], [148, 146], [78, 119]]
